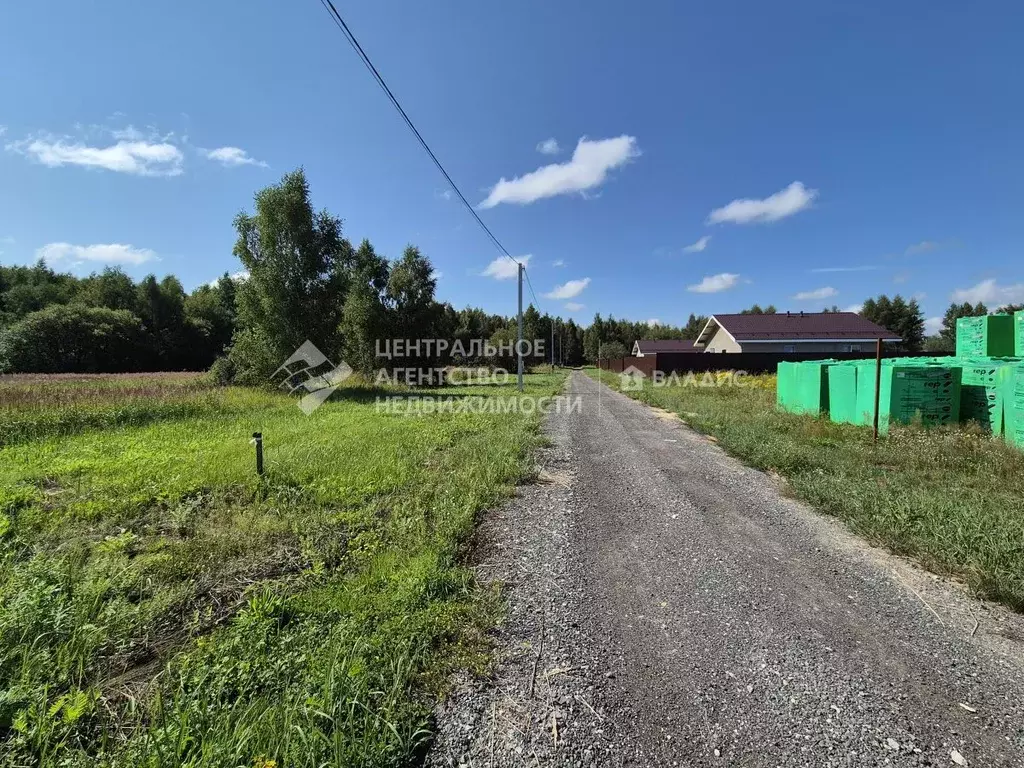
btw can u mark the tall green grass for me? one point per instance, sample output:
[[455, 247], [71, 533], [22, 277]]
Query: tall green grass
[[162, 605], [33, 406], [953, 498]]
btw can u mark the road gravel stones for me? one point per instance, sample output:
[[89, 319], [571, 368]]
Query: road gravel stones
[[669, 606]]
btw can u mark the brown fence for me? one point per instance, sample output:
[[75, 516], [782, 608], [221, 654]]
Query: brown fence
[[751, 362], [645, 364]]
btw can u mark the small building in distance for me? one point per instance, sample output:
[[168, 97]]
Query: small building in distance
[[654, 346], [831, 332]]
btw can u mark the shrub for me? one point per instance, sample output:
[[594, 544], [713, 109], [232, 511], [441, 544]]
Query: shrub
[[222, 371], [74, 339]]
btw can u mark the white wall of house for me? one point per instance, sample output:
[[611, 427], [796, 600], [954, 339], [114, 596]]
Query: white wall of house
[[811, 346], [722, 342]]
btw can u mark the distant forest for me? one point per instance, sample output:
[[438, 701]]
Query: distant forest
[[341, 297], [52, 322], [305, 280]]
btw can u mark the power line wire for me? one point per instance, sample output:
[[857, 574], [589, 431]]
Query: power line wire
[[527, 273], [340, 23]]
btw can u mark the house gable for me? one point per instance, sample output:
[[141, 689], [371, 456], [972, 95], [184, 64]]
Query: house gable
[[790, 332]]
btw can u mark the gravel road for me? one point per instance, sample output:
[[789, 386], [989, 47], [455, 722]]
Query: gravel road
[[669, 606]]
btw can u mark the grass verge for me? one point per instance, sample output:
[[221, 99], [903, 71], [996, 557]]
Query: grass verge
[[951, 498], [160, 605]]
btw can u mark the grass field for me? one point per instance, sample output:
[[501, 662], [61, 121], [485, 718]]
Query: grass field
[[161, 605], [951, 498]]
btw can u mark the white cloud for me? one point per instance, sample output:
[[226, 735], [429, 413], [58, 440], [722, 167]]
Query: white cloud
[[783, 203], [558, 263], [699, 246], [818, 293], [587, 169], [131, 133], [855, 308], [504, 269], [572, 306], [654, 321], [239, 276], [143, 158], [569, 290], [990, 292], [714, 283], [549, 147], [865, 268], [113, 253], [932, 326], [923, 247], [231, 157]]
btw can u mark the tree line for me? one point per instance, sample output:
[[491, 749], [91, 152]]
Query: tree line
[[106, 322], [304, 280]]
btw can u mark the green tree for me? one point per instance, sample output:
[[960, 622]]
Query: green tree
[[1009, 309], [298, 265], [533, 331], [573, 354], [74, 339], [364, 321], [938, 345], [504, 340], [899, 316], [364, 324], [162, 311], [29, 289], [953, 313], [593, 337], [112, 289], [612, 350], [694, 325], [410, 295], [209, 323], [757, 310]]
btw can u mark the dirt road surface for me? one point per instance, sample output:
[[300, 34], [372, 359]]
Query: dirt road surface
[[669, 606]]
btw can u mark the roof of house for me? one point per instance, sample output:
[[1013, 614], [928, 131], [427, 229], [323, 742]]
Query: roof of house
[[798, 326], [653, 346]]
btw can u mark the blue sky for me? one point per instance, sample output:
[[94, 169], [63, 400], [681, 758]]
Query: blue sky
[[879, 140]]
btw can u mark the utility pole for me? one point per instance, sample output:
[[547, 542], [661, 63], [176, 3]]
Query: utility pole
[[552, 344], [519, 344]]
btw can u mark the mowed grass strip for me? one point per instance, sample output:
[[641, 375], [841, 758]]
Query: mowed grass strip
[[161, 605], [952, 498]]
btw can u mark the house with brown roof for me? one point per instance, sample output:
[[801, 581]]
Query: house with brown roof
[[831, 332], [654, 346]]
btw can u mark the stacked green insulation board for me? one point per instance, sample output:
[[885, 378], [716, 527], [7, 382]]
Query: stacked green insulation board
[[982, 391], [1013, 400], [842, 393], [985, 336], [805, 386], [1018, 333], [927, 392], [932, 390]]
